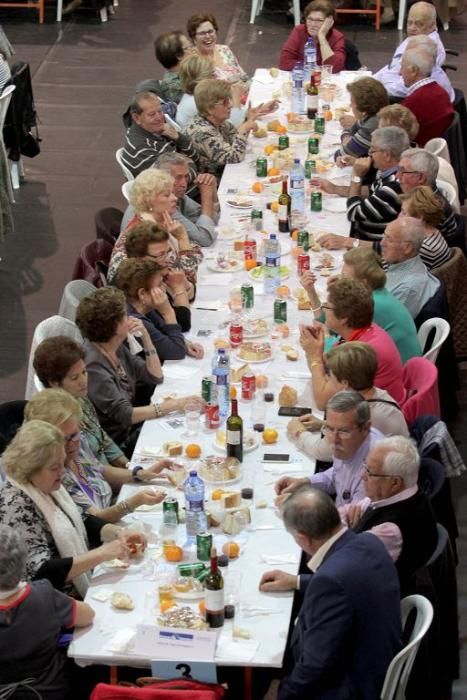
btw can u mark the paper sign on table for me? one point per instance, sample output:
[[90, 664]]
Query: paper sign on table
[[174, 643]]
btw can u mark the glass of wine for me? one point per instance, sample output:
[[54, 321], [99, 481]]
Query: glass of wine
[[258, 415]]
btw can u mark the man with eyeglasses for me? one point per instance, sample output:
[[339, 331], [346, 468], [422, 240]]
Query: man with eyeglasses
[[348, 430]]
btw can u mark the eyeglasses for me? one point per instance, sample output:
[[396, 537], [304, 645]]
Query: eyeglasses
[[225, 102], [316, 20], [343, 433], [208, 32], [161, 256], [377, 476], [72, 438], [401, 171], [375, 150]]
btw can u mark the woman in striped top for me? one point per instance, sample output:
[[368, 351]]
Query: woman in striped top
[[422, 203]]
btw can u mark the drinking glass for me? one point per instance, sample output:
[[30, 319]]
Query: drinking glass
[[326, 72], [192, 416], [235, 300]]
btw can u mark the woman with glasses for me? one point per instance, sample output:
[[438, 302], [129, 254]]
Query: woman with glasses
[[319, 25]]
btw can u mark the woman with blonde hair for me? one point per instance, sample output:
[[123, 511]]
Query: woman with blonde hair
[[153, 200], [398, 115], [193, 69], [423, 204]]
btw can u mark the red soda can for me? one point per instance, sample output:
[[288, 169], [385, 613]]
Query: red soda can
[[248, 386], [303, 263], [212, 416], [249, 249], [236, 334]]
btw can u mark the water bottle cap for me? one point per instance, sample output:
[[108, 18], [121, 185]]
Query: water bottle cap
[[193, 472], [272, 236], [221, 351], [296, 160]]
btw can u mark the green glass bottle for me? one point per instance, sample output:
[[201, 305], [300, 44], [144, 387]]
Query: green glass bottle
[[234, 433], [214, 590]]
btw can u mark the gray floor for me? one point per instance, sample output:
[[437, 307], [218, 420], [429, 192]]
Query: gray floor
[[83, 73]]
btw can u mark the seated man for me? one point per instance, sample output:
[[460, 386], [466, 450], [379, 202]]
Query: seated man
[[349, 314], [395, 510], [348, 628], [425, 98], [420, 167], [150, 136], [407, 277], [421, 22], [348, 430]]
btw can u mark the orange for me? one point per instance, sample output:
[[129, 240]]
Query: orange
[[173, 553], [281, 129], [261, 381], [275, 207], [283, 329], [257, 187], [283, 291], [249, 264], [232, 549], [273, 171], [270, 435], [269, 150], [294, 234], [165, 605], [292, 117], [232, 392], [202, 608], [193, 450], [216, 495]]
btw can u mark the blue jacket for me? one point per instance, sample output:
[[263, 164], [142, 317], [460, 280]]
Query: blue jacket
[[349, 625]]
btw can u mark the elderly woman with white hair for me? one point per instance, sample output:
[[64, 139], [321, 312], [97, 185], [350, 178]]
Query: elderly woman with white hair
[[153, 200], [32, 616]]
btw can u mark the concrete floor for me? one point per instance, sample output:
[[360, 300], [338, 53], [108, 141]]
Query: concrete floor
[[83, 76]]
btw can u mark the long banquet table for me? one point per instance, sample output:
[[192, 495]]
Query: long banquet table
[[265, 544]]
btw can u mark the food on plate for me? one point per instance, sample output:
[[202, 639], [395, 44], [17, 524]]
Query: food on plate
[[188, 584], [235, 521], [270, 436], [274, 72], [288, 396], [217, 494], [224, 262], [261, 381], [213, 519], [286, 348], [165, 605], [255, 351], [292, 117], [136, 548], [255, 326], [183, 617], [239, 245], [326, 260], [258, 272], [172, 552], [274, 207], [193, 450], [283, 329], [300, 125], [274, 172], [221, 343], [240, 633], [219, 469], [282, 291], [237, 374], [122, 601], [270, 148], [116, 564], [231, 549], [257, 187], [303, 303], [261, 504], [325, 272], [173, 448], [292, 355], [231, 499], [260, 133], [274, 125]]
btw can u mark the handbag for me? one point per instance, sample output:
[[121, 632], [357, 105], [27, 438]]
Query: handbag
[[30, 146]]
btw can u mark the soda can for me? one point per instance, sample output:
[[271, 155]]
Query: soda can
[[320, 125], [316, 201], [236, 334], [248, 296], [169, 505], [256, 220], [280, 311], [212, 415], [283, 143], [303, 240], [303, 263], [249, 249], [206, 385], [248, 386], [310, 168], [191, 569], [313, 145], [261, 167], [203, 546]]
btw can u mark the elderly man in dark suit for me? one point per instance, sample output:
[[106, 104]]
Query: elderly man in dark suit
[[349, 626]]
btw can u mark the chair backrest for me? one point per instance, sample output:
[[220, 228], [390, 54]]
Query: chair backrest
[[420, 378], [441, 330], [448, 191], [455, 141], [438, 147], [11, 420], [453, 274], [126, 189], [55, 325], [5, 98], [128, 174], [446, 174], [93, 262], [398, 673], [108, 222], [72, 294]]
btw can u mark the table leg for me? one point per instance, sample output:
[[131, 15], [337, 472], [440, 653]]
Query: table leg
[[113, 675], [247, 683]]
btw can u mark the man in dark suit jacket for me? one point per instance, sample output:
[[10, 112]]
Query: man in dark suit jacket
[[349, 626]]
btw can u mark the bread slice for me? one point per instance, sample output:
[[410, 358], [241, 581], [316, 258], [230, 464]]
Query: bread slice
[[231, 499], [173, 448]]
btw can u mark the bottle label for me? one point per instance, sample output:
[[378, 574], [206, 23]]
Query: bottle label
[[297, 183], [312, 102], [195, 505], [283, 212], [233, 437], [222, 379], [214, 600]]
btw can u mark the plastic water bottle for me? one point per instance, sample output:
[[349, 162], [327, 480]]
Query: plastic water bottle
[[297, 187], [220, 371], [298, 93], [195, 515], [272, 264], [309, 55]]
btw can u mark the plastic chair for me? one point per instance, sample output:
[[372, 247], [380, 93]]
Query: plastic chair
[[398, 673], [447, 175], [5, 98], [72, 294], [126, 189], [448, 191], [108, 223], [362, 11], [128, 174], [454, 274], [441, 329], [93, 262], [420, 378], [438, 147], [55, 325]]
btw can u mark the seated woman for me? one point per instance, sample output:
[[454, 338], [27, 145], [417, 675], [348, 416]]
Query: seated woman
[[423, 204], [91, 484], [398, 115], [120, 384], [170, 49], [216, 140], [32, 616], [202, 30], [367, 97], [350, 366], [152, 200], [141, 282], [319, 25], [36, 505]]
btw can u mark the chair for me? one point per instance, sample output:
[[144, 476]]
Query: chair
[[128, 174], [438, 147], [11, 419], [108, 223], [93, 262], [72, 294], [448, 191], [181, 689], [39, 4], [126, 189], [5, 98], [362, 11], [441, 330], [398, 673], [55, 325], [257, 6], [454, 139], [447, 175], [454, 274], [420, 378]]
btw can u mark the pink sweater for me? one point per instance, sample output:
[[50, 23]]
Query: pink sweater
[[292, 51]]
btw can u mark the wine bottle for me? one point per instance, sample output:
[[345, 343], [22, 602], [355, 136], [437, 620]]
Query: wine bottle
[[311, 99], [285, 204], [234, 433], [214, 593]]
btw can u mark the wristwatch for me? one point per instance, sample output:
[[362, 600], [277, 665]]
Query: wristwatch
[[357, 179], [134, 473]]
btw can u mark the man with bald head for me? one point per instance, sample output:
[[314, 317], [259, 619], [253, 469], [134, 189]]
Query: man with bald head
[[407, 277]]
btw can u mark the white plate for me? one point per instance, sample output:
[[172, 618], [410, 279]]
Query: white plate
[[235, 204], [217, 483], [321, 267], [228, 234], [251, 362], [249, 448], [336, 206], [257, 334], [232, 268], [260, 277]]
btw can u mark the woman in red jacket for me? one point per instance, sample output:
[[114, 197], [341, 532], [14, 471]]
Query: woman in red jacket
[[330, 46]]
